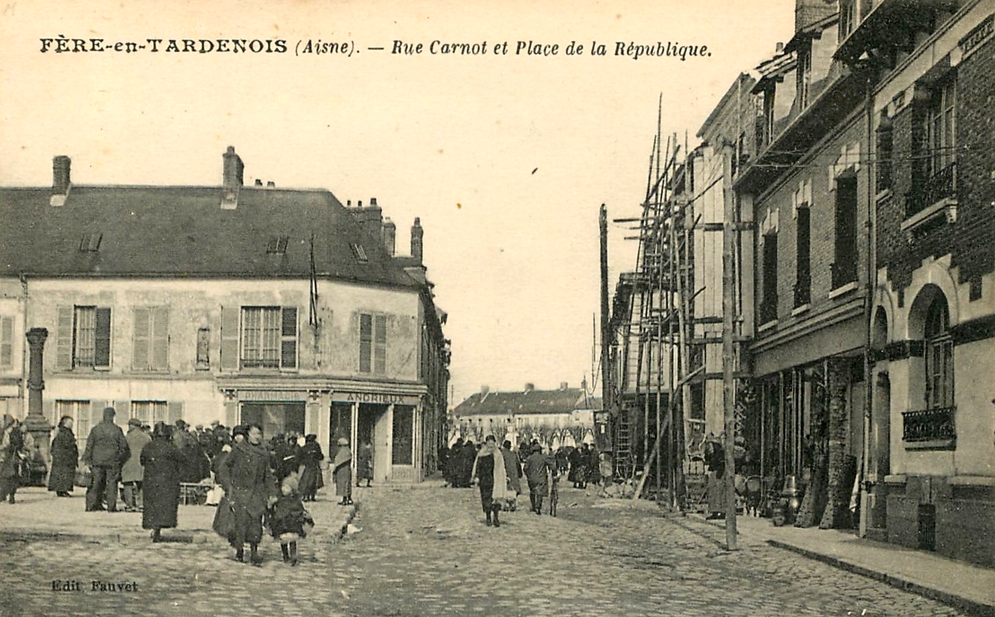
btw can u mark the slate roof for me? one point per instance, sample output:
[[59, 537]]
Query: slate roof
[[525, 402], [180, 231]]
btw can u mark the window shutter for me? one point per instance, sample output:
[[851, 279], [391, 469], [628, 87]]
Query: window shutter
[[96, 412], [7, 341], [175, 412], [123, 409], [102, 352], [229, 338], [64, 339], [160, 338], [380, 357], [140, 343], [365, 343], [288, 343]]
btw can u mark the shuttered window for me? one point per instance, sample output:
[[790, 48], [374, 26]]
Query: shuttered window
[[6, 342], [84, 337], [373, 344], [269, 337], [150, 350], [149, 412], [80, 412]]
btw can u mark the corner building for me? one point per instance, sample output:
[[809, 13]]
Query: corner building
[[231, 303]]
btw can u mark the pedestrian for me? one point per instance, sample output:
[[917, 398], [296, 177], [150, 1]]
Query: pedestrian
[[364, 463], [131, 471], [289, 521], [715, 488], [250, 489], [512, 469], [453, 463], [342, 472], [537, 468], [575, 459], [467, 455], [606, 470], [492, 479], [15, 451], [65, 456], [311, 478], [593, 465], [161, 463], [106, 450]]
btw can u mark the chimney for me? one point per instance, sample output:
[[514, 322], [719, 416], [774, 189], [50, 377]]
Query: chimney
[[231, 179], [779, 48], [417, 240], [564, 385], [259, 182], [60, 180], [485, 389], [374, 219], [807, 12], [270, 184], [390, 236], [529, 387]]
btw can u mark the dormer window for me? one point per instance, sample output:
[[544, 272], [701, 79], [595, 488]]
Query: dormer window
[[90, 243], [804, 76], [359, 252], [277, 245]]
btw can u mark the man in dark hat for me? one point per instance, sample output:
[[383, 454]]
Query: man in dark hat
[[537, 468], [106, 450]]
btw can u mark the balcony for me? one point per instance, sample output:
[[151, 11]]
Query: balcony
[[940, 187], [843, 273], [803, 291], [768, 310], [929, 429]]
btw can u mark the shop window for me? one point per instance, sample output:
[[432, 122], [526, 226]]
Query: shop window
[[402, 452], [84, 337]]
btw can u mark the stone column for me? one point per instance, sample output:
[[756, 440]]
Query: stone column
[[839, 466], [35, 423]]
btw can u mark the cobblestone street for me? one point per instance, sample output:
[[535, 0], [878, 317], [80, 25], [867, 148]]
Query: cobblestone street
[[425, 551]]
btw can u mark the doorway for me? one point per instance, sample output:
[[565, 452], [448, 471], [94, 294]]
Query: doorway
[[275, 418]]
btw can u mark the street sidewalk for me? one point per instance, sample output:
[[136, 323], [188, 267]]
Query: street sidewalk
[[965, 587], [38, 513]]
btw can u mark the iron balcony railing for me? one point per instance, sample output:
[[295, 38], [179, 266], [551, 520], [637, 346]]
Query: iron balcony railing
[[941, 185], [935, 424]]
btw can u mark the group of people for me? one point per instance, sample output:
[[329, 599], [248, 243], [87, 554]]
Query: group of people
[[16, 446], [498, 473]]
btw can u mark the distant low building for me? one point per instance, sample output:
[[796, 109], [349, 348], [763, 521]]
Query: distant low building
[[561, 417]]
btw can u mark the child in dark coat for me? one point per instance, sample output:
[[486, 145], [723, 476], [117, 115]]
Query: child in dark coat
[[289, 521]]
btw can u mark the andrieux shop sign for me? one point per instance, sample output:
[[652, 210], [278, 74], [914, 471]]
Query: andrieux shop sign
[[379, 398]]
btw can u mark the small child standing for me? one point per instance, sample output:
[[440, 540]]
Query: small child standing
[[289, 521]]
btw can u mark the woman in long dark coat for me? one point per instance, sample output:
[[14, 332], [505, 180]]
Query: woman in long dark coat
[[65, 457], [163, 464], [251, 488], [310, 456]]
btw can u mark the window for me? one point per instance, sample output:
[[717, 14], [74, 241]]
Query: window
[[150, 348], [768, 303], [150, 412], [402, 450], [203, 348], [79, 411], [939, 351], [844, 269], [90, 243], [885, 150], [803, 243], [269, 337], [6, 342], [848, 17], [804, 78], [84, 337], [359, 252], [939, 142], [277, 244], [373, 344]]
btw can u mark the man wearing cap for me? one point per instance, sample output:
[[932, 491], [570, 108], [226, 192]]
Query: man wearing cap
[[132, 471], [106, 450]]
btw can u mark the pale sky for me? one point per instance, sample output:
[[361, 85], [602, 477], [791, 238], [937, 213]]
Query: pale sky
[[506, 158]]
